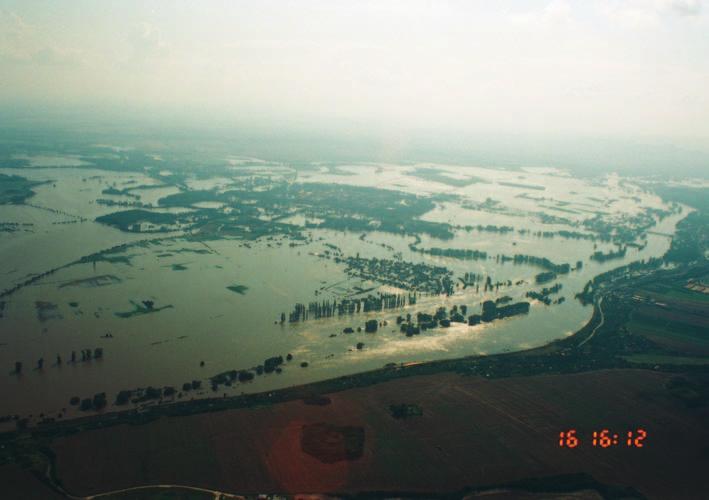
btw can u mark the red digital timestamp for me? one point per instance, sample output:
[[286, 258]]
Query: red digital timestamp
[[604, 439]]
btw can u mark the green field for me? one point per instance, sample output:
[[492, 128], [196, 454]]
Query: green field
[[660, 291], [680, 332], [663, 359], [677, 322]]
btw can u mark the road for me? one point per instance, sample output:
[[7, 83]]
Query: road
[[218, 495], [593, 332]]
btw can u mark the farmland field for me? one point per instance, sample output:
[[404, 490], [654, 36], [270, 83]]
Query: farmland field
[[673, 317], [472, 431]]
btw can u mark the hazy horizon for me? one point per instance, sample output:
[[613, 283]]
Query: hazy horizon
[[562, 83]]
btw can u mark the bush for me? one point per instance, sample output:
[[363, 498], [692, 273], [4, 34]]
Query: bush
[[271, 364], [123, 397], [99, 401]]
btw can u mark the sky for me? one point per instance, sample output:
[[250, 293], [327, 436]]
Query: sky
[[612, 68]]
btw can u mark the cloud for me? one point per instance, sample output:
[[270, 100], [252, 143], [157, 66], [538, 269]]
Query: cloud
[[649, 13], [632, 15], [54, 56], [15, 36], [148, 43], [556, 12], [683, 7], [23, 43]]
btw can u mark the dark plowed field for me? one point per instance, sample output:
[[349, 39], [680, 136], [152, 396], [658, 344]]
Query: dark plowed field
[[472, 432]]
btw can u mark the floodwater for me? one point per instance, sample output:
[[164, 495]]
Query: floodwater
[[200, 319]]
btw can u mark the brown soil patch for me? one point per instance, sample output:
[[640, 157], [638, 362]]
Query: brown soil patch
[[317, 400], [330, 443], [19, 484]]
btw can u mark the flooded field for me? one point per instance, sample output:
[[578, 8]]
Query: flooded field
[[181, 285]]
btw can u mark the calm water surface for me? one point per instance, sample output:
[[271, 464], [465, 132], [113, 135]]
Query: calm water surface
[[205, 321]]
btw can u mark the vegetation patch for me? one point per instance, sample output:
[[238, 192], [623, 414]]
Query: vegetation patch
[[14, 189], [134, 220], [521, 186], [441, 176], [404, 411], [47, 311], [144, 307], [240, 289], [330, 443]]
